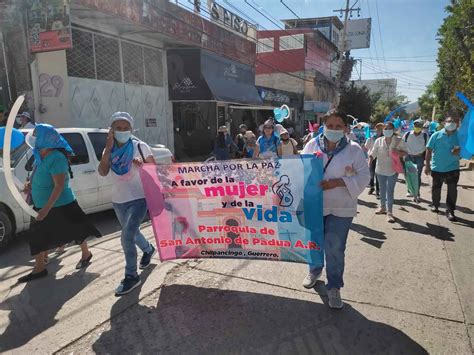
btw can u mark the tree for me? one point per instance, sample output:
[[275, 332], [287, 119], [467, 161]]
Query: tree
[[455, 57], [357, 101], [427, 101], [384, 106]]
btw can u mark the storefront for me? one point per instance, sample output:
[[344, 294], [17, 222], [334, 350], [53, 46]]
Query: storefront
[[205, 88], [314, 110]]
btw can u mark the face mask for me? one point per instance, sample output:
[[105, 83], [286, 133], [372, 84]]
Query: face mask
[[451, 126], [417, 129], [388, 133], [333, 135], [122, 137], [18, 119]]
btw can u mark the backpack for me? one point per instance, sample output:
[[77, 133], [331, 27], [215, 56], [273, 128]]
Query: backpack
[[425, 136]]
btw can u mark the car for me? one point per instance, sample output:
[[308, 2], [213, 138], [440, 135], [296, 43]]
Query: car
[[93, 192]]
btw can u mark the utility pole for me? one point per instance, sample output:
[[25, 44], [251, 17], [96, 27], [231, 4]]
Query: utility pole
[[347, 11]]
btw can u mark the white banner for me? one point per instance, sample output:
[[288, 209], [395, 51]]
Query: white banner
[[358, 33]]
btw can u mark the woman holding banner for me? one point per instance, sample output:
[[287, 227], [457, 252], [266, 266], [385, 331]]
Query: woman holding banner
[[124, 155], [346, 175], [60, 219]]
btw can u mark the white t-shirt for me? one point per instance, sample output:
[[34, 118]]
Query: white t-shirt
[[382, 152], [416, 145], [287, 149], [349, 164], [128, 187]]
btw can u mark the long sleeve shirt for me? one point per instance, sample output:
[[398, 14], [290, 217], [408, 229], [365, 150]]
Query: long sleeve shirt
[[350, 165]]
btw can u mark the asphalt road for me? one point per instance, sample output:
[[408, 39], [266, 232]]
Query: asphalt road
[[408, 289]]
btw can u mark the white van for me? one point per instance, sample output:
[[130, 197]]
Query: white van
[[93, 191]]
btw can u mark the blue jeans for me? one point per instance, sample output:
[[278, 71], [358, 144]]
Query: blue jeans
[[336, 230], [419, 161], [387, 189], [130, 215]]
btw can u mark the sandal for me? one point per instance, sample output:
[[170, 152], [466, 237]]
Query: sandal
[[84, 262], [380, 211]]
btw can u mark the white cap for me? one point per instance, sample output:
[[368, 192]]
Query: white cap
[[121, 116]]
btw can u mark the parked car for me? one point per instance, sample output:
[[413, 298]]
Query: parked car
[[94, 192]]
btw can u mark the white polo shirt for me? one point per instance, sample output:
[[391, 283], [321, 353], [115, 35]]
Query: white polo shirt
[[416, 144]]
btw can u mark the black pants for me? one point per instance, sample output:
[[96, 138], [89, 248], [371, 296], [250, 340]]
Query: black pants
[[373, 177], [450, 178]]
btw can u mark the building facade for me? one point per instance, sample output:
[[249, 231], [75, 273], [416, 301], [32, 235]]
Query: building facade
[[298, 61], [387, 88], [118, 61]]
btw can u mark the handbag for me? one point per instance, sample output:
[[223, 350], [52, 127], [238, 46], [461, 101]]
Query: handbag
[[396, 163]]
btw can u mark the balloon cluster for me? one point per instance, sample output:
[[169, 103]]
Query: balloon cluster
[[281, 113]]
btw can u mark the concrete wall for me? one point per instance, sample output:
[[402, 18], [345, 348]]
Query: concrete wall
[[282, 81], [51, 88]]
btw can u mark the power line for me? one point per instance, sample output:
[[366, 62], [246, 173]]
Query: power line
[[259, 61], [406, 61], [294, 13], [372, 35], [380, 33], [401, 76]]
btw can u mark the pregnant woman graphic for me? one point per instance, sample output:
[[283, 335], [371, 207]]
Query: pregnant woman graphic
[[281, 189]]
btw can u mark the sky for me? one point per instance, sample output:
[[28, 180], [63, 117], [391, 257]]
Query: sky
[[403, 33]]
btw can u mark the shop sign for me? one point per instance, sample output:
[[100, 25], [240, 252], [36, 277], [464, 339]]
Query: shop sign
[[150, 122], [317, 106], [49, 25], [273, 96], [227, 18]]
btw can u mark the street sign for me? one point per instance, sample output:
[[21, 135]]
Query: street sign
[[358, 33]]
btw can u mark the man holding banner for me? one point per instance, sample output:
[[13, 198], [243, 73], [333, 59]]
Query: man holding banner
[[346, 175]]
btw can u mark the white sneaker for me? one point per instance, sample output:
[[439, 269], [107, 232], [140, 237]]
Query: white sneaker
[[311, 279], [409, 194], [335, 300]]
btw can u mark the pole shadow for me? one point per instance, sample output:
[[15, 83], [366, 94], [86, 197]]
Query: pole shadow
[[370, 236], [189, 319], [438, 232], [367, 204], [34, 309]]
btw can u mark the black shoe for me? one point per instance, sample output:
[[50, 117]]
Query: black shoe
[[146, 258], [128, 284], [33, 276], [84, 262], [371, 191], [434, 209], [451, 216]]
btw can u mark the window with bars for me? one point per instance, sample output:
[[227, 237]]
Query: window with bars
[[291, 42], [153, 67], [265, 45], [132, 57], [95, 56], [107, 58], [80, 58]]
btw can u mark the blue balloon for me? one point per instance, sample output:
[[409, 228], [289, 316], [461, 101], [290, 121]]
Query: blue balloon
[[17, 138]]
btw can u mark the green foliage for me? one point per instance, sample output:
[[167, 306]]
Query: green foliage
[[358, 102], [455, 58], [383, 107], [427, 101]]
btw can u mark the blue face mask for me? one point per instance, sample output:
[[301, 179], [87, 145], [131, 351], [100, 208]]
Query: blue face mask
[[122, 137], [333, 135]]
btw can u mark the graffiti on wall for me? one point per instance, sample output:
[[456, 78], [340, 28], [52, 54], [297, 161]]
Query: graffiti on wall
[[50, 85]]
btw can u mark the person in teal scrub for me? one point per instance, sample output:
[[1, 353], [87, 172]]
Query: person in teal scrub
[[442, 163], [60, 220]]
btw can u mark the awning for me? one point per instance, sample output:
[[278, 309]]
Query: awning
[[196, 75]]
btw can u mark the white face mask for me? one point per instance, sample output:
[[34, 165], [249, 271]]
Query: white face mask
[[122, 137], [18, 119], [333, 135], [388, 133], [450, 126]]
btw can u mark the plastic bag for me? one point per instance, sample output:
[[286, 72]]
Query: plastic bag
[[397, 163], [411, 176]]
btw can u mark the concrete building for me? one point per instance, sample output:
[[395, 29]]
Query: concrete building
[[298, 61], [119, 61], [386, 87]]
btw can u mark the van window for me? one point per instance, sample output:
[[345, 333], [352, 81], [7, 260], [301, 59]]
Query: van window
[[75, 140], [98, 141]]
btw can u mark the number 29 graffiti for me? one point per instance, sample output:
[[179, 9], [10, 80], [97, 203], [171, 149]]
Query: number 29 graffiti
[[50, 86]]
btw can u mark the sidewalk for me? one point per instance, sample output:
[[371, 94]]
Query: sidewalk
[[408, 288]]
